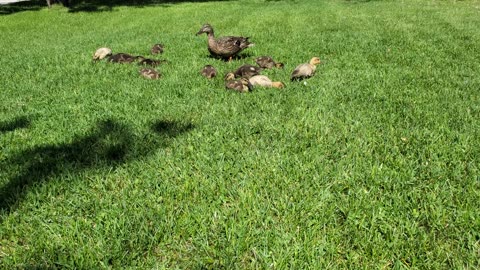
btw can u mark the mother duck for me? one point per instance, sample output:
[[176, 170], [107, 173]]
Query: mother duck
[[224, 47]]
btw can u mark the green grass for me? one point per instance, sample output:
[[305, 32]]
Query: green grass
[[372, 164]]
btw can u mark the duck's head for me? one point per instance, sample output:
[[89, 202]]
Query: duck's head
[[206, 28], [315, 61]]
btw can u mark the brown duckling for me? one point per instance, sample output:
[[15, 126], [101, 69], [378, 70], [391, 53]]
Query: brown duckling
[[148, 62], [267, 62], [149, 73], [224, 47], [101, 53], [247, 71], [208, 72], [306, 70], [242, 85], [157, 49], [122, 58], [264, 81]]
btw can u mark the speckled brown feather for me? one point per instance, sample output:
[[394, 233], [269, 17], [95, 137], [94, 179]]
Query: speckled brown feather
[[149, 73], [208, 72], [122, 58], [157, 49], [247, 71], [242, 85], [267, 62]]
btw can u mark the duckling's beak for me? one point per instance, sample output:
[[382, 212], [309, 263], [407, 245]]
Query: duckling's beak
[[199, 32]]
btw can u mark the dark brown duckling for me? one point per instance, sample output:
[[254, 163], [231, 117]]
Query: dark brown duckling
[[267, 62], [224, 47], [149, 62], [149, 73], [122, 58], [157, 49], [208, 72], [247, 71], [242, 85]]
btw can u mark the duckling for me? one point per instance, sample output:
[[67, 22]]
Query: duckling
[[267, 62], [264, 81], [122, 58], [101, 53], [307, 70], [157, 49], [247, 71], [208, 72], [149, 73], [224, 47], [142, 61], [242, 85]]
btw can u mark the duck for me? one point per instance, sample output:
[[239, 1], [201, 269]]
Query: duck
[[224, 47], [149, 73], [142, 61], [306, 70], [267, 62], [101, 53], [264, 81], [122, 58], [157, 49], [208, 72], [247, 71], [241, 85]]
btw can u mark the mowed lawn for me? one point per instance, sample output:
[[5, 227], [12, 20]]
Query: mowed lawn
[[374, 163]]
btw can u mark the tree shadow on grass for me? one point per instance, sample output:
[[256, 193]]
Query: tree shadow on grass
[[90, 5], [17, 123], [108, 5], [109, 144], [33, 5]]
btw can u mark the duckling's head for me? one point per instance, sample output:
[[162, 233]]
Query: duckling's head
[[315, 61], [102, 53], [229, 76], [247, 86], [206, 28]]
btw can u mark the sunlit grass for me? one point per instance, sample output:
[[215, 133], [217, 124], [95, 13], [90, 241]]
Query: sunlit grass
[[371, 164]]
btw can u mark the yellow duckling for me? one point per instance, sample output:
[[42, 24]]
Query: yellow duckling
[[264, 81], [101, 53], [306, 70]]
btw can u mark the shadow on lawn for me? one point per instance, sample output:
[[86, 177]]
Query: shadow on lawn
[[90, 5], [108, 145], [17, 123]]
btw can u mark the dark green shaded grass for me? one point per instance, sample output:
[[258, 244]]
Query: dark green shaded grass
[[373, 163]]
